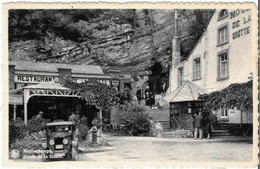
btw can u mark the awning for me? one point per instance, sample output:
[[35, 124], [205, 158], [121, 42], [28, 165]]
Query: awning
[[50, 86], [16, 96], [16, 99], [187, 92]]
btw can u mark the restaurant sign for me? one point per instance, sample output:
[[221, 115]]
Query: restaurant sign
[[46, 79], [35, 78]]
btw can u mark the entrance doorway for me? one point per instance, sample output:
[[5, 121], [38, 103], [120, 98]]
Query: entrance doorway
[[60, 108]]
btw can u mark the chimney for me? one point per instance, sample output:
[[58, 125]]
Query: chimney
[[11, 76], [175, 41]]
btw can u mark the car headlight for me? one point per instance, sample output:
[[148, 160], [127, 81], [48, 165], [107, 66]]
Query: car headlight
[[65, 141], [44, 145], [51, 142]]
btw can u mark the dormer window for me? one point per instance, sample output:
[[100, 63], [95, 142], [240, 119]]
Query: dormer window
[[222, 14]]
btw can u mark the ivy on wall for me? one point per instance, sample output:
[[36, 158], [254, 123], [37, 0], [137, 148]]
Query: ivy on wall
[[239, 95]]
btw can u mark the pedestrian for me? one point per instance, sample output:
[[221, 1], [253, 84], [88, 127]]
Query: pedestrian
[[39, 117], [161, 100], [207, 124], [40, 121], [147, 95], [83, 120], [198, 126], [139, 95], [192, 125], [152, 99], [73, 117]]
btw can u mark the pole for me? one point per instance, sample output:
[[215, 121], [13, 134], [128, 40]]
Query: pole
[[14, 112], [25, 101], [100, 116]]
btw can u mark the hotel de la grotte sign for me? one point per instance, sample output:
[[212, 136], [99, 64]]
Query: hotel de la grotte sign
[[35, 78]]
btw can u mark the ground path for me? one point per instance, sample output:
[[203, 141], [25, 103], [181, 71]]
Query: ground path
[[127, 148]]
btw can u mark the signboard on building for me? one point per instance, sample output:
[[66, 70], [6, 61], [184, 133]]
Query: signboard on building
[[82, 80], [35, 78], [47, 78], [16, 99]]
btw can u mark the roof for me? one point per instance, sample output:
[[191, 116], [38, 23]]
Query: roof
[[202, 35], [53, 67], [49, 85], [60, 123], [187, 92], [16, 91]]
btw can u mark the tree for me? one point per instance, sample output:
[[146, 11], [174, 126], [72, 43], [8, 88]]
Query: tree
[[94, 93]]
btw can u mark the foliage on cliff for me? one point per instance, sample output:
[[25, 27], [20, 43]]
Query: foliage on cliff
[[239, 95], [118, 37], [69, 24]]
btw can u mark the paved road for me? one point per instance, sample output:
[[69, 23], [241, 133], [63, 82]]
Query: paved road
[[144, 149], [161, 149]]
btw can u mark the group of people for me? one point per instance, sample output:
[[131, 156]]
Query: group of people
[[148, 96], [200, 125], [74, 117]]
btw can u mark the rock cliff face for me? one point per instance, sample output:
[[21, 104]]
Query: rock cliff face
[[129, 38]]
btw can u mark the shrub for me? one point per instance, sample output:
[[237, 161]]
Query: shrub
[[17, 130], [134, 119], [34, 125], [83, 131], [23, 137], [30, 141]]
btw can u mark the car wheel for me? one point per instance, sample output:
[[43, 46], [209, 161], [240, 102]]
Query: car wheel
[[74, 153]]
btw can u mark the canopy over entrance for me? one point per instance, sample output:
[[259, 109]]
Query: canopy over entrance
[[42, 89], [187, 92]]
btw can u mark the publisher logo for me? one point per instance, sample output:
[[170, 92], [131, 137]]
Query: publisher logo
[[15, 153]]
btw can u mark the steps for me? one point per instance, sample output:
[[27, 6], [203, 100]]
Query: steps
[[168, 135], [220, 133], [162, 116]]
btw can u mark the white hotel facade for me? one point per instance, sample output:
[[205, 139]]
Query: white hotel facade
[[226, 53]]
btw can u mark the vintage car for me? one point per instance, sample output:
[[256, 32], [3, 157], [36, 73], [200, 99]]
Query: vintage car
[[61, 141]]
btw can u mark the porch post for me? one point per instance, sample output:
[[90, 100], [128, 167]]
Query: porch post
[[100, 116], [14, 117], [25, 101]]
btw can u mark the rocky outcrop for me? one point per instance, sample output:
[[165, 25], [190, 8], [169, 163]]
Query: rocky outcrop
[[128, 38]]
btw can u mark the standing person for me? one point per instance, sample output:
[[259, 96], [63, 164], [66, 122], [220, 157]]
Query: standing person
[[192, 124], [152, 99], [198, 126], [83, 120], [39, 117], [147, 95], [40, 121], [139, 95], [73, 117], [207, 124]]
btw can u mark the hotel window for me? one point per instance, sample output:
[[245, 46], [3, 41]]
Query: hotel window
[[196, 69], [223, 71], [223, 113], [223, 34], [222, 14], [180, 76]]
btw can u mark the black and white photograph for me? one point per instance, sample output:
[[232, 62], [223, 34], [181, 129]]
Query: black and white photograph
[[131, 84]]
